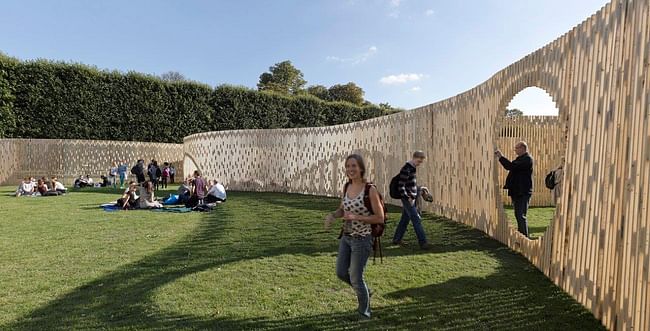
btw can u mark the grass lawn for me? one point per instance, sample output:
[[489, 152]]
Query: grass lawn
[[539, 218], [261, 261]]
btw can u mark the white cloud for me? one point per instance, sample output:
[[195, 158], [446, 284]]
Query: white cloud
[[429, 12], [416, 89], [395, 3], [400, 79], [356, 59], [394, 14]]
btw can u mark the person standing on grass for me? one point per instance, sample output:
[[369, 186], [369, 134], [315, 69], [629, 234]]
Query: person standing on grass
[[138, 170], [122, 168], [199, 189], [154, 173], [165, 175], [113, 174], [519, 182], [355, 244], [558, 176], [172, 173], [408, 189]]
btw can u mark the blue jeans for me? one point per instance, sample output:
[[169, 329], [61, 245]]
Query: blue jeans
[[350, 263], [410, 213], [520, 204]]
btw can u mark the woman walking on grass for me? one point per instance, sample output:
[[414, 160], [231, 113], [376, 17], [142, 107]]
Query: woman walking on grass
[[355, 244]]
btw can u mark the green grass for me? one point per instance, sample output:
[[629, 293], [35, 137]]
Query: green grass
[[260, 261], [539, 218]]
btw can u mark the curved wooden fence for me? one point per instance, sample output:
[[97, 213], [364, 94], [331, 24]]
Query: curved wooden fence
[[597, 246], [69, 159]]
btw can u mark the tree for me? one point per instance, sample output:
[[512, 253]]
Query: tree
[[282, 77], [319, 91], [514, 112], [349, 92], [173, 76], [7, 117]]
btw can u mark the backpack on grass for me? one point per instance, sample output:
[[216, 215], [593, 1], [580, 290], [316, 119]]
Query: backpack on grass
[[376, 230]]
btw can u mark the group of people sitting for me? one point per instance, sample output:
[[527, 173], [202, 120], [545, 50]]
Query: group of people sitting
[[195, 192], [84, 181], [41, 187]]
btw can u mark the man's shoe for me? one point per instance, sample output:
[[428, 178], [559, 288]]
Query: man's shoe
[[425, 247]]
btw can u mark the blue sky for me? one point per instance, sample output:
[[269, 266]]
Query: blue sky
[[405, 52]]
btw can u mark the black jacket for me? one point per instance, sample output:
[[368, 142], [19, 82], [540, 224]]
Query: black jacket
[[520, 175]]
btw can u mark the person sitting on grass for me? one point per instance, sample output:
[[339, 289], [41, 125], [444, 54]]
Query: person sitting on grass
[[26, 187], [58, 186], [44, 190], [106, 181], [129, 199], [147, 198], [216, 193], [184, 191], [83, 182]]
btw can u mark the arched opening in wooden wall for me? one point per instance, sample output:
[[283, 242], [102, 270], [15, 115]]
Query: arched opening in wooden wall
[[532, 116]]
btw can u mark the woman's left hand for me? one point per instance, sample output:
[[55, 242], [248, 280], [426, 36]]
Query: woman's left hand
[[348, 216]]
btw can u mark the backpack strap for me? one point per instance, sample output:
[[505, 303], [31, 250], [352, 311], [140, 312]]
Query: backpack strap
[[366, 197], [376, 246]]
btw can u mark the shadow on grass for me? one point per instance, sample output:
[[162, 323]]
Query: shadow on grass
[[505, 300]]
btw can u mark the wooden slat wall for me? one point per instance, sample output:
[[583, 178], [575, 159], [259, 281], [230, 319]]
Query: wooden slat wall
[[597, 248], [546, 141], [68, 159]]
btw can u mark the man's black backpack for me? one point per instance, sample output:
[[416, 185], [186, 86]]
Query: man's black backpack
[[393, 188], [549, 181], [377, 230]]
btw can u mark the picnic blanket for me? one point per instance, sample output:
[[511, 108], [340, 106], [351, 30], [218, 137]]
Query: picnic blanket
[[111, 207]]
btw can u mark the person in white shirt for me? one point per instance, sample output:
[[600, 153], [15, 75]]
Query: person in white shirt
[[147, 198], [58, 186], [216, 193], [25, 188]]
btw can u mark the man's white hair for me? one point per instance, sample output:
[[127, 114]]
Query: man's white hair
[[522, 143]]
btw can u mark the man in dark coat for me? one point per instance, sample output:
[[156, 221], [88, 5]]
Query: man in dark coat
[[519, 182], [138, 171]]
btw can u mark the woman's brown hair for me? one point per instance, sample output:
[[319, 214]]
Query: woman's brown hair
[[360, 163]]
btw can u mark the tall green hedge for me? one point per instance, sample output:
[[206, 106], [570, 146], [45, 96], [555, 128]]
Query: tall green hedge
[[44, 99]]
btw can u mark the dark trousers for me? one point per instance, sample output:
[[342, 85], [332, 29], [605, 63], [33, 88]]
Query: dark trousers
[[164, 182], [410, 214], [212, 199], [521, 203]]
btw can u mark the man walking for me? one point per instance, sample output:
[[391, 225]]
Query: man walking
[[519, 182], [408, 189]]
